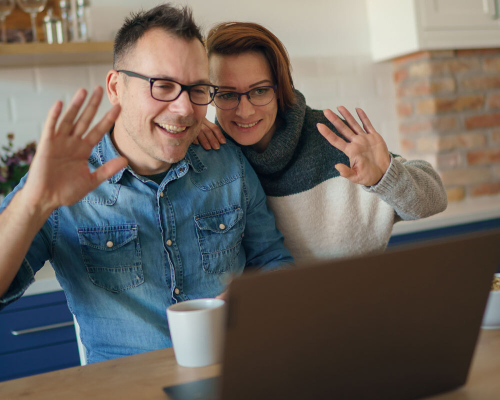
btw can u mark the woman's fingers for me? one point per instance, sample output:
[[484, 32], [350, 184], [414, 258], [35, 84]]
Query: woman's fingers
[[353, 124], [367, 125], [216, 131], [88, 113], [339, 124], [332, 138], [345, 171], [202, 138]]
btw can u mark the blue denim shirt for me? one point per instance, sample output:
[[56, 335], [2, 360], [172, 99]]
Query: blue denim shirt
[[131, 248]]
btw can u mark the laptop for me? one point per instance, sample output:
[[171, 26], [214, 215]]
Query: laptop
[[397, 325]]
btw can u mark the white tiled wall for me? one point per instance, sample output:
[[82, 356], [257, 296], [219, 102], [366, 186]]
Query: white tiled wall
[[26, 94]]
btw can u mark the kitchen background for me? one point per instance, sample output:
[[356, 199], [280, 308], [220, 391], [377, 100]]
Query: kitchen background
[[442, 106], [407, 63], [328, 42]]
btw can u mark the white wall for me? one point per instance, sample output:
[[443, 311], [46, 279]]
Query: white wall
[[328, 42]]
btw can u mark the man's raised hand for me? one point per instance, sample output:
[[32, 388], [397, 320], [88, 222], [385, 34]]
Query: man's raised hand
[[59, 174]]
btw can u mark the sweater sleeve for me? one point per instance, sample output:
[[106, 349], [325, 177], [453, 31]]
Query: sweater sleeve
[[413, 188]]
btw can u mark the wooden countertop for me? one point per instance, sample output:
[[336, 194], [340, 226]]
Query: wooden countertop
[[144, 375]]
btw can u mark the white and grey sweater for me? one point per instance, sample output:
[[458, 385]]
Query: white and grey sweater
[[323, 215]]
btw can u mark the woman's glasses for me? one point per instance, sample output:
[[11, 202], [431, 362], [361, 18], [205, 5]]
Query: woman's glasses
[[260, 96]]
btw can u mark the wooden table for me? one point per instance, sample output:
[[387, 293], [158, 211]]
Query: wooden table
[[144, 375]]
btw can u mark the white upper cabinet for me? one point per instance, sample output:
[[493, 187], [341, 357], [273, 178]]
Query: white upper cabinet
[[399, 27]]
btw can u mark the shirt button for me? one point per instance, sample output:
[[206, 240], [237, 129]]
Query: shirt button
[[242, 235], [222, 226], [161, 194], [181, 169], [109, 243], [169, 242], [177, 291]]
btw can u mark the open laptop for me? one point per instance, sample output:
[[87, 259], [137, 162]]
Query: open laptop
[[397, 325]]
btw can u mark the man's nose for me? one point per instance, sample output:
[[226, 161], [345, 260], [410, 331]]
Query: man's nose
[[245, 109], [182, 105]]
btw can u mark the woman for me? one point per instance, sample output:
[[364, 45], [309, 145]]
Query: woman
[[336, 192]]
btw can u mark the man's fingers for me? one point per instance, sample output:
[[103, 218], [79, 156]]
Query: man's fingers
[[195, 141], [366, 121], [103, 126], [339, 124], [66, 125], [351, 120], [88, 113], [49, 127], [332, 138], [109, 169]]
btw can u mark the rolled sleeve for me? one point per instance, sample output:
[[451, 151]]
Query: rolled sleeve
[[38, 253], [25, 277]]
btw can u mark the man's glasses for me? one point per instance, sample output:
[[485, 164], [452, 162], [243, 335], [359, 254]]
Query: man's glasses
[[260, 96], [168, 90]]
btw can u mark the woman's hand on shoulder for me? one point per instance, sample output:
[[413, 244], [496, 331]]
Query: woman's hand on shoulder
[[210, 136], [365, 147]]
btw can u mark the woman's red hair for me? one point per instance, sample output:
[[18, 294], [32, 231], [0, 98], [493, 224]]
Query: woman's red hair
[[232, 38]]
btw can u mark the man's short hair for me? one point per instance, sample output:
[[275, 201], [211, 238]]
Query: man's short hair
[[174, 20]]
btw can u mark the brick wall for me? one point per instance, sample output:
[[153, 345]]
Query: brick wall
[[448, 103]]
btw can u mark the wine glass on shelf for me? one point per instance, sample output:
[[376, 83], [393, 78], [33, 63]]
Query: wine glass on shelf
[[32, 7], [6, 7]]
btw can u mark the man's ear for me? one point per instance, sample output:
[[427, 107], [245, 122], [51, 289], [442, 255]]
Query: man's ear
[[112, 86]]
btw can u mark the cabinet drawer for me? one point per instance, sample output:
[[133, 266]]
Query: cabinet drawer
[[35, 327], [37, 361]]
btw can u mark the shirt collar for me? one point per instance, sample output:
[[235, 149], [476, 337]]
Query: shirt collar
[[105, 151]]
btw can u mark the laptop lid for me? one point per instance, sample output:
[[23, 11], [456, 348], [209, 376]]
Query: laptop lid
[[397, 325]]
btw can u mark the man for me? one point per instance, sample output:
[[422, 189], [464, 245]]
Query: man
[[142, 220]]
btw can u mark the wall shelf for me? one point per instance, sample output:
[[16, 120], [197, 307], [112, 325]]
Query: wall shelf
[[43, 54]]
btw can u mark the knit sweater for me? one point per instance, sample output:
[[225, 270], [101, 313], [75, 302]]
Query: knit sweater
[[320, 213]]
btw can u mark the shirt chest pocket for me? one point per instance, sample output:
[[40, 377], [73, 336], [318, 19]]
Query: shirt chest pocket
[[112, 256], [219, 235]]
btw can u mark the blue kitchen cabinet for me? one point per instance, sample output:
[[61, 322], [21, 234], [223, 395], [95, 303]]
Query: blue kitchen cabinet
[[37, 335], [445, 232]]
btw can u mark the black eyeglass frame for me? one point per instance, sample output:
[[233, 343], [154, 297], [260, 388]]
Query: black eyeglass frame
[[274, 87], [186, 88]]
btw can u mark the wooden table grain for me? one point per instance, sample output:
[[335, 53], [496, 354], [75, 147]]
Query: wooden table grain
[[144, 375]]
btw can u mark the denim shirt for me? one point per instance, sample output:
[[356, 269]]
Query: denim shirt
[[131, 248]]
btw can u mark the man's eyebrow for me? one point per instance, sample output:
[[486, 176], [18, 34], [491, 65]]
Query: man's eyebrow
[[198, 82], [251, 86]]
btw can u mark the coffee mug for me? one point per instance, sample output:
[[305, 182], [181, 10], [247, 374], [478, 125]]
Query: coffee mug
[[197, 330]]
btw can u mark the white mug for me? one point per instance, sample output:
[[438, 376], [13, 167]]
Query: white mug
[[197, 330]]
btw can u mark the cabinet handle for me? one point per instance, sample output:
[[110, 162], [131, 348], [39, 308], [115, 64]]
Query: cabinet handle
[[496, 10], [42, 328]]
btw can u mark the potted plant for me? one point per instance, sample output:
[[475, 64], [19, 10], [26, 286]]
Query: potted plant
[[14, 164]]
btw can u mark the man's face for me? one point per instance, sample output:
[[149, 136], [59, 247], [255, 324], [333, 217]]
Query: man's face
[[150, 133]]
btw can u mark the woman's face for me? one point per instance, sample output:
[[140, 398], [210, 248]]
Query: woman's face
[[247, 124]]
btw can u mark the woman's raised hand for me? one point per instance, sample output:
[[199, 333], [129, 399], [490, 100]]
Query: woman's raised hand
[[210, 136], [59, 174], [368, 154]]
